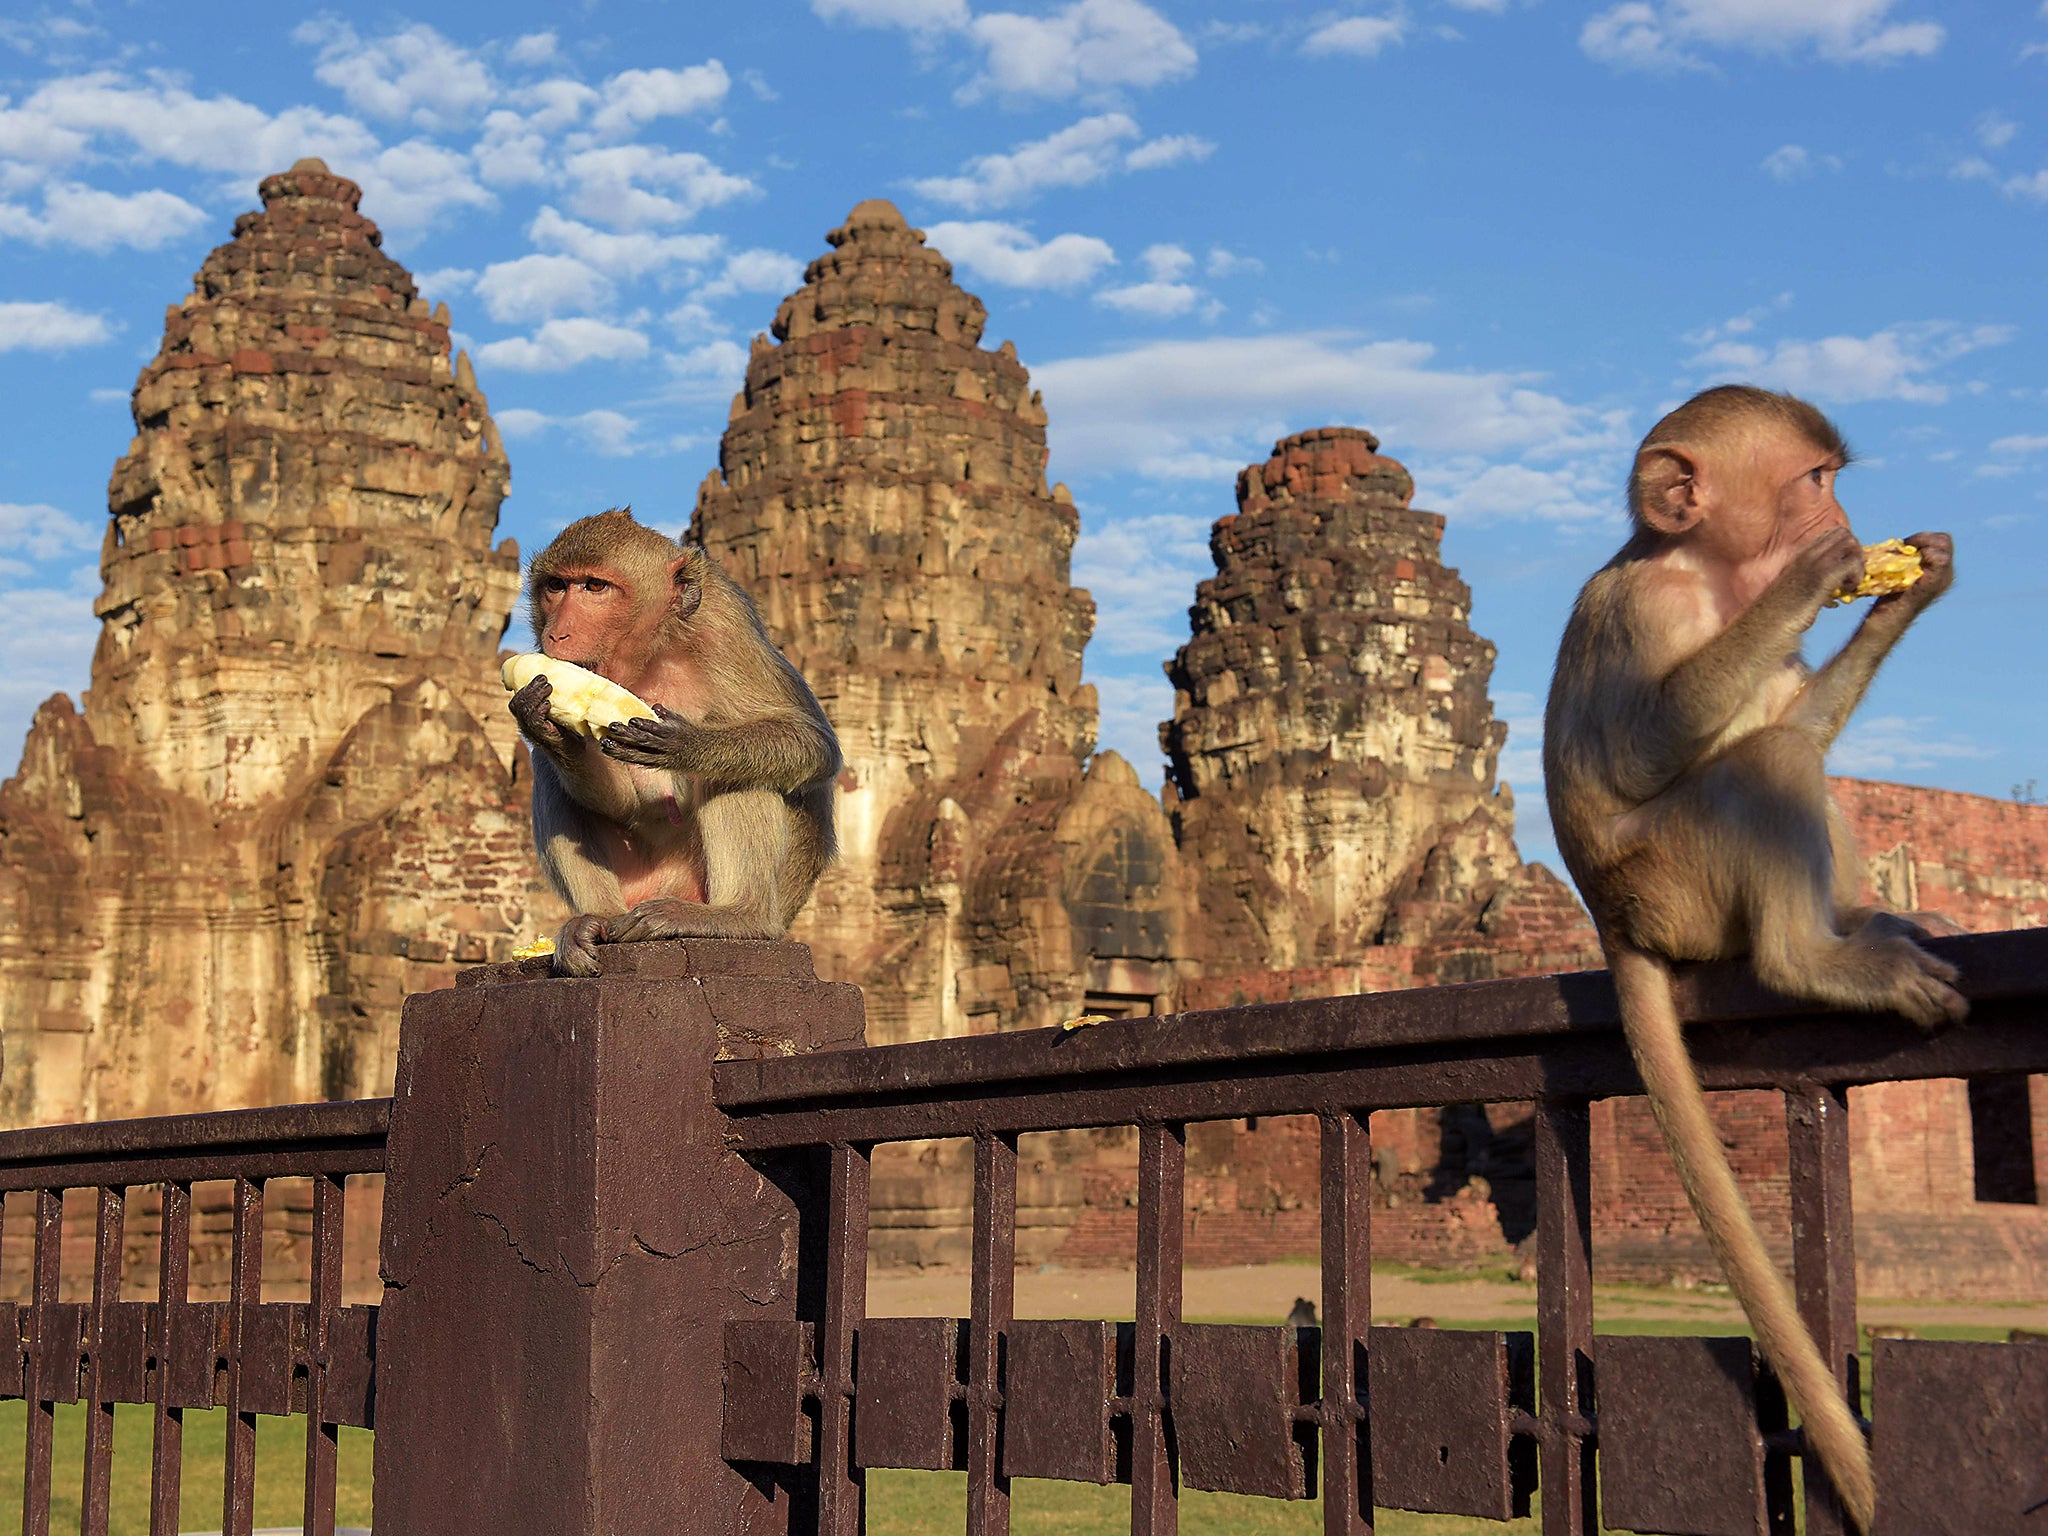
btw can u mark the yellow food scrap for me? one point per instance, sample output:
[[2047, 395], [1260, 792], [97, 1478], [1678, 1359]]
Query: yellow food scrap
[[1888, 567], [534, 950], [1085, 1020], [582, 701]]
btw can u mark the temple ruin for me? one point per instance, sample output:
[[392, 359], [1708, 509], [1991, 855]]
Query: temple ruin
[[881, 492], [292, 794]]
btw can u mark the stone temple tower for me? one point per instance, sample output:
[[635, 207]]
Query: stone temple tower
[[881, 493], [293, 793], [1333, 747]]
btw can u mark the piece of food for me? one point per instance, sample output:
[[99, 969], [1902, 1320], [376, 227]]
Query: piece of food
[[534, 950], [1888, 567], [582, 701]]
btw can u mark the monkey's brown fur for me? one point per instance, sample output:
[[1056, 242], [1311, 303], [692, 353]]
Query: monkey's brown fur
[[1683, 757], [713, 820]]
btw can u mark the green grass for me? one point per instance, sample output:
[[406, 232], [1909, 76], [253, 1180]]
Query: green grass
[[899, 1503], [916, 1503], [280, 1469]]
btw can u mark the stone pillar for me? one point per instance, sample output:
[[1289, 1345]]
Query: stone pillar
[[565, 1236]]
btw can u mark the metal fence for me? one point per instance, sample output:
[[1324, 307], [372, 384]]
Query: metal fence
[[1673, 1434], [625, 1260], [246, 1355]]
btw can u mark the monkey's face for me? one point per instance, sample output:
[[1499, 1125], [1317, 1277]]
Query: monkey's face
[[583, 616], [1771, 502]]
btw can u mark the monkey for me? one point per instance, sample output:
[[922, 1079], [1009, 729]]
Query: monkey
[[713, 819], [1684, 748], [1303, 1314]]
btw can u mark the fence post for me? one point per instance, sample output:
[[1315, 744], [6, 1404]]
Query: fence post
[[565, 1235]]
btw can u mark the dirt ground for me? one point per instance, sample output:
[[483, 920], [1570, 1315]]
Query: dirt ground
[[1265, 1292]]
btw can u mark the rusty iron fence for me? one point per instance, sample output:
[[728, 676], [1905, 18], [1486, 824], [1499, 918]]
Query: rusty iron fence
[[244, 1354], [1680, 1435], [624, 1255]]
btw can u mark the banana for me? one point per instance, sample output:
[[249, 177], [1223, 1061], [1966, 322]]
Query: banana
[[582, 701], [1888, 567]]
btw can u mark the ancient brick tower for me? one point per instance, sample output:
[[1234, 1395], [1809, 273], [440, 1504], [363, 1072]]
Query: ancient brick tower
[[1333, 747], [881, 493], [290, 797]]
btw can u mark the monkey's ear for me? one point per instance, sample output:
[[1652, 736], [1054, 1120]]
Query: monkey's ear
[[1667, 486], [686, 588]]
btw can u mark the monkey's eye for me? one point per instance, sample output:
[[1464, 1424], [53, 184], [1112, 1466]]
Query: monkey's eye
[[596, 584], [554, 586]]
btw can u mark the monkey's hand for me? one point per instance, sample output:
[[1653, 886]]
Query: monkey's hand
[[664, 917], [529, 707], [1829, 564], [664, 742], [1937, 575], [576, 945]]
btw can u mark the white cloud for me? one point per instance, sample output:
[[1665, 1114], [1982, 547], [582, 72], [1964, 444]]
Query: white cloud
[[1090, 45], [913, 15], [1167, 263], [1889, 743], [555, 103], [43, 532], [1170, 408], [620, 255], [416, 184], [1577, 492], [512, 152], [1131, 709], [31, 326], [1007, 254], [561, 344], [2033, 188], [536, 287], [1890, 364], [517, 422], [1359, 36], [105, 113], [45, 648], [413, 75], [99, 221], [1640, 35], [1222, 263], [607, 433], [1633, 36], [2022, 445], [1795, 162], [166, 123], [614, 185], [709, 372], [534, 48], [444, 281], [1161, 300], [1995, 130], [1521, 760], [755, 271], [1170, 149], [1085, 152], [1142, 572], [639, 96]]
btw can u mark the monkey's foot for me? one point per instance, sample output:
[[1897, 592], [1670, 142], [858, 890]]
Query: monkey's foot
[[1920, 986], [664, 917], [576, 945]]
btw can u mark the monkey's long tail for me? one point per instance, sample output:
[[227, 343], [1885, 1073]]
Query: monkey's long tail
[[1649, 1016]]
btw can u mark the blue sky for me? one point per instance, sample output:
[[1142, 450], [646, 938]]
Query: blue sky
[[1504, 235]]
